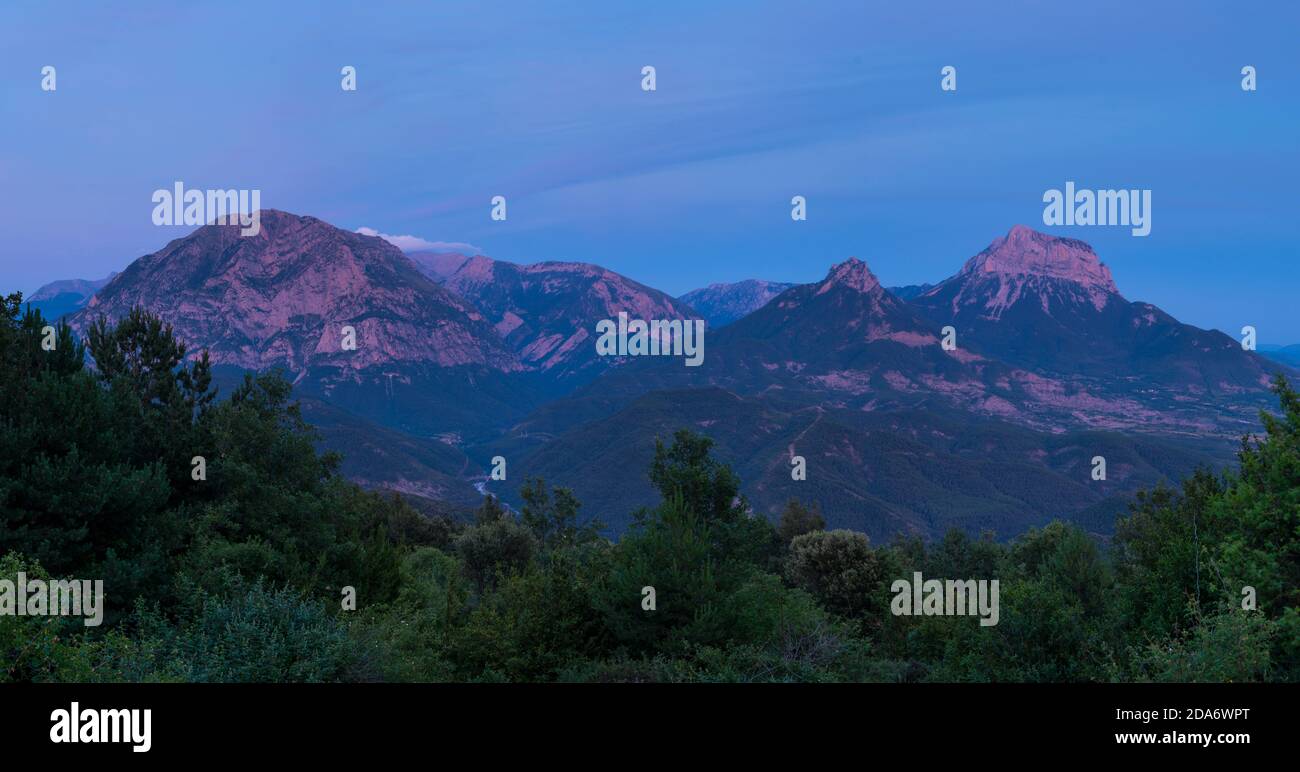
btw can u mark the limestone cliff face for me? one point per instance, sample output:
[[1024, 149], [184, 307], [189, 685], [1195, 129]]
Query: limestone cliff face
[[282, 298], [1026, 261], [547, 312], [1049, 305]]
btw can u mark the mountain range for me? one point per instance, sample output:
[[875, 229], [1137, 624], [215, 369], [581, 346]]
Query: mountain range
[[899, 433], [978, 402], [348, 317], [722, 304], [546, 313], [1287, 355], [1049, 303], [60, 298]]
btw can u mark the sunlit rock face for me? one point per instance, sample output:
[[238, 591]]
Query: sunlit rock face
[[282, 297], [1049, 305], [547, 312]]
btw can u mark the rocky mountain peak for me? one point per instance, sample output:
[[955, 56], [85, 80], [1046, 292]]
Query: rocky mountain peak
[[1027, 252], [851, 274], [283, 296]]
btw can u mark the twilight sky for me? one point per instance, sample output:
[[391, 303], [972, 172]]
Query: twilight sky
[[688, 185]]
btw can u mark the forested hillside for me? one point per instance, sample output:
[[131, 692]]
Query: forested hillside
[[244, 573]]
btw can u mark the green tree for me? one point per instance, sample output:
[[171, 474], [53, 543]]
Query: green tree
[[673, 553], [553, 519], [706, 486], [500, 546], [1259, 517], [841, 571], [797, 520]]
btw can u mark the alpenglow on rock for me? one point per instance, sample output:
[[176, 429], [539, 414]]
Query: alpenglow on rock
[[547, 312], [282, 297]]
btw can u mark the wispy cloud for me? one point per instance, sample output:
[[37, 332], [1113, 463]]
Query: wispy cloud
[[417, 244]]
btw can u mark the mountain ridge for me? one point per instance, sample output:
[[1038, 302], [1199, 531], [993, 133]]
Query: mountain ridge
[[284, 296], [724, 302], [547, 312], [484, 357]]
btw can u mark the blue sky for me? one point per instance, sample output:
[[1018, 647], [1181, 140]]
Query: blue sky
[[688, 185]]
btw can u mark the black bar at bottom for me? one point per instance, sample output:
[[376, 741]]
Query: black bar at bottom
[[243, 721]]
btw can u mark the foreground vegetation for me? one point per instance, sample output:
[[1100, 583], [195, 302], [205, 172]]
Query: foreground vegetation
[[241, 576]]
